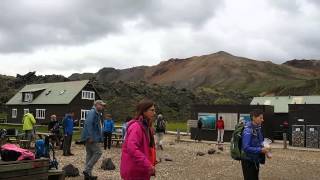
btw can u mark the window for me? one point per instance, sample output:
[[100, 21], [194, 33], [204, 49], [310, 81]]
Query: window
[[14, 113], [62, 92], [84, 114], [88, 95], [25, 111], [40, 113], [28, 97]]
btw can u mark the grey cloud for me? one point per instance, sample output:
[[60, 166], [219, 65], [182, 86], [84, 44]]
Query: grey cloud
[[171, 13], [25, 27]]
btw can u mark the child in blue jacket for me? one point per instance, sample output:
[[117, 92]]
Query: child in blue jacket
[[108, 128]]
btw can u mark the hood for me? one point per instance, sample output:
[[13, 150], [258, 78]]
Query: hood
[[68, 116], [27, 114], [139, 120], [250, 125]]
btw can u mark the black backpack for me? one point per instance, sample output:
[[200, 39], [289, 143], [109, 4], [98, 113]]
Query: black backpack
[[161, 125], [70, 171], [3, 133], [107, 164]]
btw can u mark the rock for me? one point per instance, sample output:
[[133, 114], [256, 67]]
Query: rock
[[211, 151], [107, 164], [171, 143], [167, 158], [200, 154], [220, 147]]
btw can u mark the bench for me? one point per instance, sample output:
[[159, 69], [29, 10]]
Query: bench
[[117, 140], [56, 175], [26, 170]]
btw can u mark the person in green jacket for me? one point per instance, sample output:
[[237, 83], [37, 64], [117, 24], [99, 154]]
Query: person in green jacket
[[28, 125]]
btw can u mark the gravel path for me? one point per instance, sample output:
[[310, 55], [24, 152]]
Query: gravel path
[[286, 164]]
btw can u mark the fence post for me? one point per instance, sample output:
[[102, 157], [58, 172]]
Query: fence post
[[178, 135], [284, 140]]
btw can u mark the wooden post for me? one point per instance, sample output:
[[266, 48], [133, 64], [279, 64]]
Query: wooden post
[[178, 135], [284, 140]]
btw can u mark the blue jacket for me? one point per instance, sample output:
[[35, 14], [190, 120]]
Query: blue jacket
[[108, 125], [252, 140], [92, 127], [124, 130], [68, 124]]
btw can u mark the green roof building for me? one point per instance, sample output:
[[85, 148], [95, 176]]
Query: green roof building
[[47, 99]]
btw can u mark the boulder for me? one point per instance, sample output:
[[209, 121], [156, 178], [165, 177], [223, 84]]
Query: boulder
[[200, 154], [211, 151]]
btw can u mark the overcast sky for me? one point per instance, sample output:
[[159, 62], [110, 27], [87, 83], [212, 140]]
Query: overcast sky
[[68, 36]]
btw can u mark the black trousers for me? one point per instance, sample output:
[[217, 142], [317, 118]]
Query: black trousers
[[107, 140], [250, 170], [67, 144], [198, 135]]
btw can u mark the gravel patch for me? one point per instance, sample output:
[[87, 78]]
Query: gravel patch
[[185, 164]]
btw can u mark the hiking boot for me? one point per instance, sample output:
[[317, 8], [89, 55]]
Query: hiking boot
[[70, 154], [86, 175], [161, 147]]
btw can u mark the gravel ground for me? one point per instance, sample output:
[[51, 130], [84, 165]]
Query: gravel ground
[[285, 164]]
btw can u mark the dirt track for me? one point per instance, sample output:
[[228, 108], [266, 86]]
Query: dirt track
[[286, 164]]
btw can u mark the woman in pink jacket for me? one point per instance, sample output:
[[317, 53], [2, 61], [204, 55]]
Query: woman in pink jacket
[[135, 158]]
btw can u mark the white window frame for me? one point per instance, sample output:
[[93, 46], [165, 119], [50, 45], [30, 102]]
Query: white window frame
[[90, 95], [25, 111], [84, 113], [14, 113], [28, 97], [41, 113]]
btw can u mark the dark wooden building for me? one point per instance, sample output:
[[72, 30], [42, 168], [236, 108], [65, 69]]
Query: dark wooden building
[[52, 98], [305, 125], [301, 113], [231, 115]]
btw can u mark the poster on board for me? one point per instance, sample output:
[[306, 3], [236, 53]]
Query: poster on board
[[208, 120], [230, 120], [245, 117]]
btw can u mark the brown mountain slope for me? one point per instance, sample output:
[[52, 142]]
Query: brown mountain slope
[[313, 65], [221, 71]]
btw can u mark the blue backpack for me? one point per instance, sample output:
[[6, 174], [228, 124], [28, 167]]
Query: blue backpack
[[40, 149]]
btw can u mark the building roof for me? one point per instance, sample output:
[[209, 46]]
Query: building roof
[[281, 103], [52, 93]]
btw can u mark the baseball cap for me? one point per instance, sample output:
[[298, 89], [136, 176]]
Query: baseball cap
[[99, 102]]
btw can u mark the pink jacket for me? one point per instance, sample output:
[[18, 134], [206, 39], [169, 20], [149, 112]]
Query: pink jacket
[[135, 163], [25, 154]]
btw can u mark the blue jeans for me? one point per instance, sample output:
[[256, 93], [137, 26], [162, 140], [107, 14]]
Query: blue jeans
[[93, 155]]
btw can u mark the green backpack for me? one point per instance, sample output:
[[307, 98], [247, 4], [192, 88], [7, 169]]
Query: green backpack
[[236, 143]]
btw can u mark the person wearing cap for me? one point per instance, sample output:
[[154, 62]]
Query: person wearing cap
[[91, 136]]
